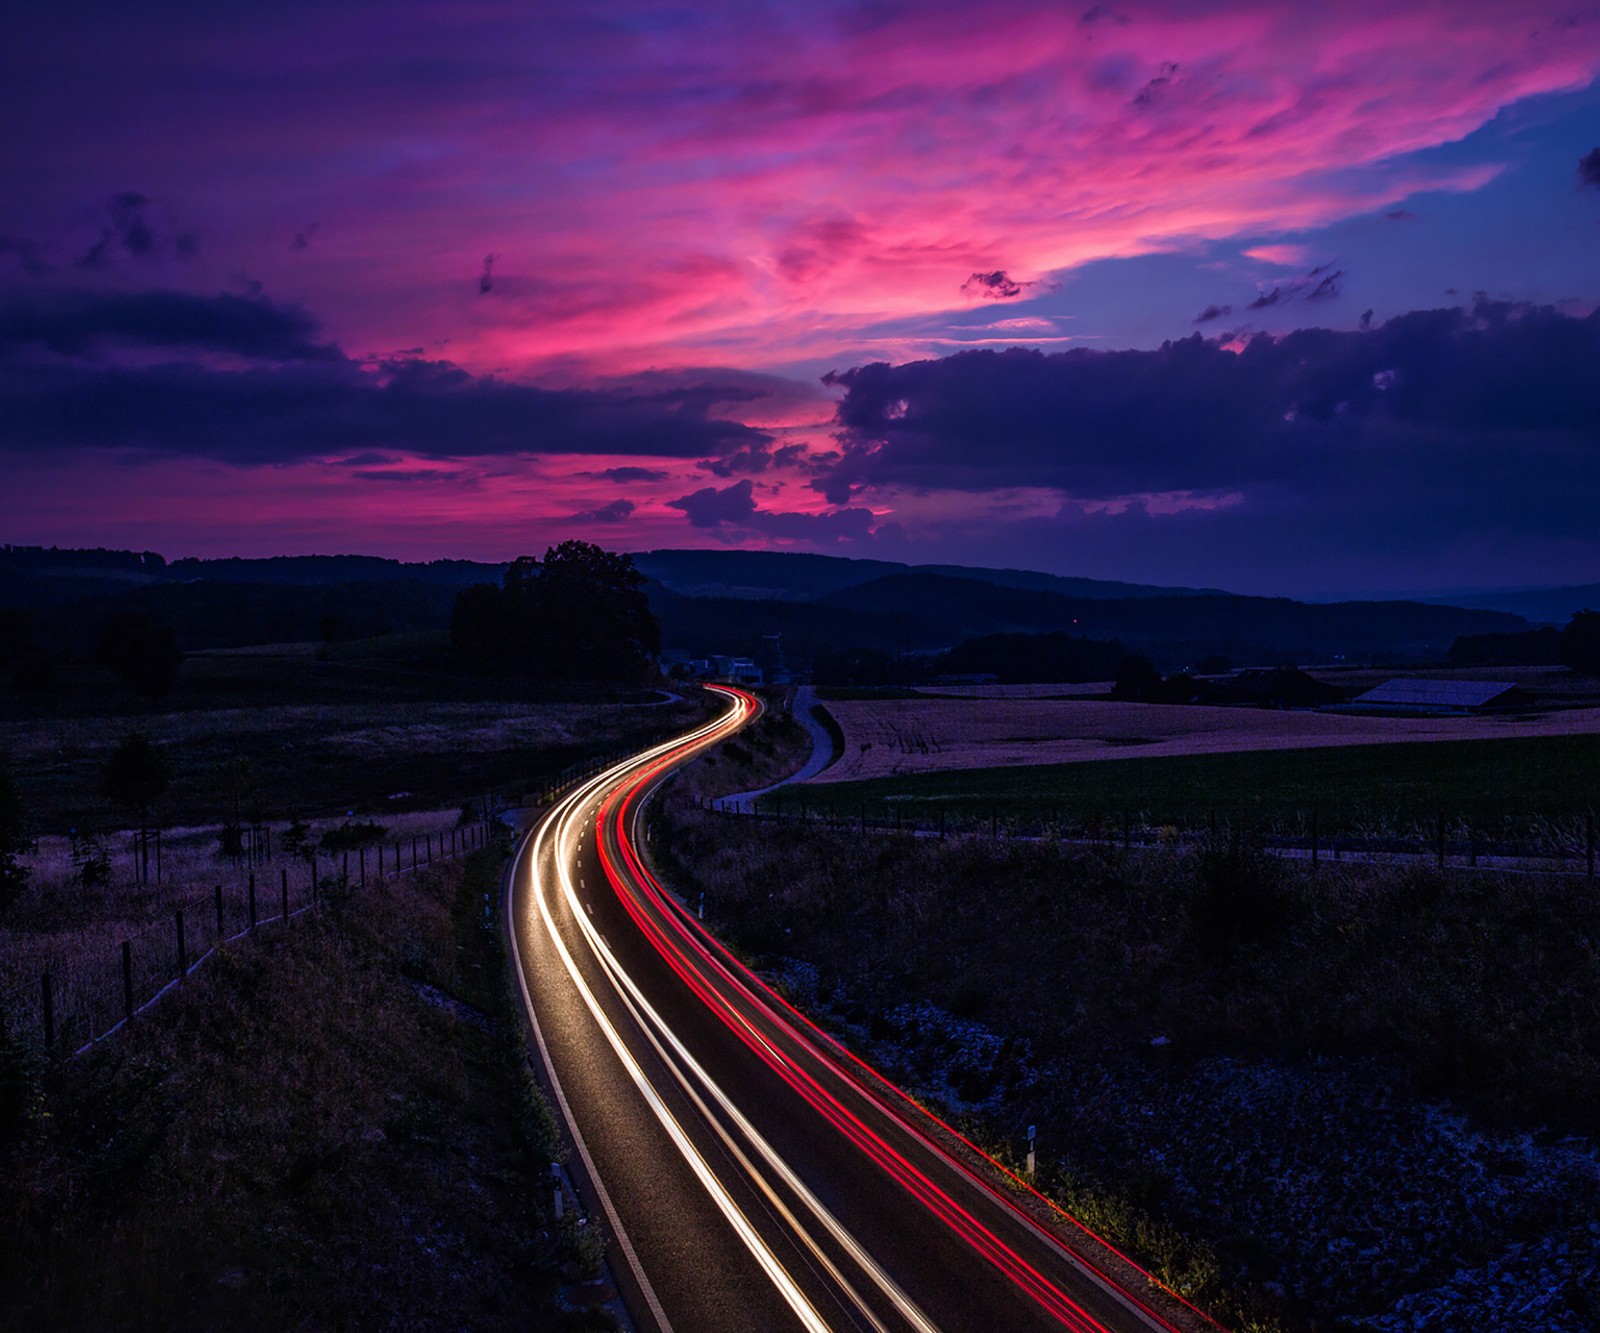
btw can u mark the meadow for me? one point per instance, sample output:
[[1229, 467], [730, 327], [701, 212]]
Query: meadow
[[1343, 1099], [901, 737], [331, 1126]]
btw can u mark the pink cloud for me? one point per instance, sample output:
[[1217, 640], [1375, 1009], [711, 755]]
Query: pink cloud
[[1283, 256], [667, 187]]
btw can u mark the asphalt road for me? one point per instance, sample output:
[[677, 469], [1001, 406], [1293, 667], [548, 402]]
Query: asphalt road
[[750, 1174]]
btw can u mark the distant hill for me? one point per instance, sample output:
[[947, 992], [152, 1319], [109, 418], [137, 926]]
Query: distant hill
[[930, 607], [798, 576], [726, 602], [1549, 606], [323, 569]]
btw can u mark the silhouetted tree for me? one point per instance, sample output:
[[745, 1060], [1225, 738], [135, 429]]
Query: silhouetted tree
[[1580, 643], [579, 614], [1138, 680], [135, 776], [854, 666], [143, 653], [13, 842], [477, 623]]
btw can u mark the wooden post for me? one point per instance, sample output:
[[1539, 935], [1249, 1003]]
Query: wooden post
[[413, 851], [127, 980], [283, 888], [219, 914], [252, 900], [183, 954], [430, 849], [49, 999]]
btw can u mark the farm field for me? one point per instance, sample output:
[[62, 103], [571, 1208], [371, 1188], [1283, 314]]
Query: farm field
[[1540, 788], [903, 737], [285, 734]]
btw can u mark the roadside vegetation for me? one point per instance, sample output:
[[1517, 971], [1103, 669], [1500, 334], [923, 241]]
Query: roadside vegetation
[[1512, 785], [333, 1125], [1345, 1099], [330, 1126]]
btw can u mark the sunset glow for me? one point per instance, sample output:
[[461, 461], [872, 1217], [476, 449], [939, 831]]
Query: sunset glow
[[422, 281]]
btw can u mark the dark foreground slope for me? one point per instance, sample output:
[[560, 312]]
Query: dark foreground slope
[[329, 1127]]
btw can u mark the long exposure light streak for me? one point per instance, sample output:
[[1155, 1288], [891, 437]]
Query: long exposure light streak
[[785, 1043]]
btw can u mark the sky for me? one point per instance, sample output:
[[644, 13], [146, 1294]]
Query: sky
[[1266, 296]]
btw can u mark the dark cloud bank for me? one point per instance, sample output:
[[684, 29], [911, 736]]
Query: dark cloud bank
[[1465, 442], [246, 380], [1447, 446]]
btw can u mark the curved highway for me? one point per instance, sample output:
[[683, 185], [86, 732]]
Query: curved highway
[[750, 1173]]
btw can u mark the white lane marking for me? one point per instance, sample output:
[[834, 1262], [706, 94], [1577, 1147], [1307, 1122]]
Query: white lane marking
[[624, 1243], [885, 1284], [636, 1002], [560, 819]]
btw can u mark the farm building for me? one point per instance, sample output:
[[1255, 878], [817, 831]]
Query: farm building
[[1411, 695]]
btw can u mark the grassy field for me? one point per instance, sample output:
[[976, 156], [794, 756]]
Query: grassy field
[[287, 733], [330, 1127], [1500, 785], [1201, 1034], [887, 737]]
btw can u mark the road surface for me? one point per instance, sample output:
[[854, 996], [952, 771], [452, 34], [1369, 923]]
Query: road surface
[[749, 1173]]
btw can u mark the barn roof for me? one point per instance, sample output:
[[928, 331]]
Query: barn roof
[[1408, 692]]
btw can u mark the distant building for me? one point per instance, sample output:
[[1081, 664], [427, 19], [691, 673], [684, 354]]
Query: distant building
[[736, 670], [769, 657], [1407, 694]]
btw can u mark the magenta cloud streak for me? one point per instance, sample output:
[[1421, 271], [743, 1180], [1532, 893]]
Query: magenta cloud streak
[[661, 186]]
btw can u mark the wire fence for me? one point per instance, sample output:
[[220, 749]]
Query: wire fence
[[75, 1005], [1556, 845]]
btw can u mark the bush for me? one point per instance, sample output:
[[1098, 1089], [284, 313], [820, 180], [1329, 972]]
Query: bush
[[1237, 891]]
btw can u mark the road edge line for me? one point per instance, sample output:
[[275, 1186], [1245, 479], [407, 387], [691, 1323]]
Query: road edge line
[[624, 1244]]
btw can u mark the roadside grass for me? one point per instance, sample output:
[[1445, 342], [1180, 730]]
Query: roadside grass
[[1494, 786], [297, 735], [1478, 989], [329, 1126]]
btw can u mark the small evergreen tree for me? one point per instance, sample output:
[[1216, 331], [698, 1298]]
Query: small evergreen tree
[[142, 653], [14, 841], [135, 777]]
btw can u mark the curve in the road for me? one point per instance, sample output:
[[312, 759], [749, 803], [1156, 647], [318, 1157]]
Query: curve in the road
[[842, 1193]]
